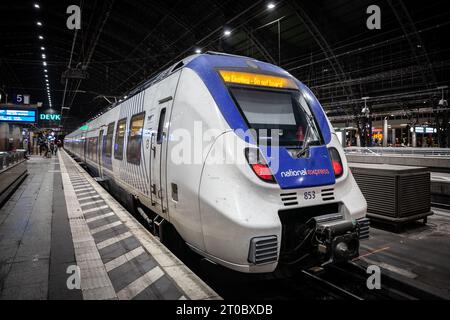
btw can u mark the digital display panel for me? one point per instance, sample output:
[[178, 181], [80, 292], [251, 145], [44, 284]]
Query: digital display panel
[[27, 116]]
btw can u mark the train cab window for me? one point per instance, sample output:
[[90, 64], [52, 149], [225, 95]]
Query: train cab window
[[120, 138], [135, 139], [160, 135], [284, 115], [109, 140]]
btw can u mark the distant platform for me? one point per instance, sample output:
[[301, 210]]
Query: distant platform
[[61, 223]]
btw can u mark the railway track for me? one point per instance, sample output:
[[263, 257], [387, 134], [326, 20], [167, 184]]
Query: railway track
[[349, 281]]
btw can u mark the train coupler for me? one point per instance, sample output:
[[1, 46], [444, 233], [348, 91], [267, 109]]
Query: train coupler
[[337, 241]]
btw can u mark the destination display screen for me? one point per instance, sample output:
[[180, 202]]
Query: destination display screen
[[27, 116]]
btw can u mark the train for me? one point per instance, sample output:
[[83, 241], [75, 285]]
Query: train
[[238, 157]]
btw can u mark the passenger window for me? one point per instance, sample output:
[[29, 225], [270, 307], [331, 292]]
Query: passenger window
[[120, 137], [162, 116], [109, 139], [135, 139]]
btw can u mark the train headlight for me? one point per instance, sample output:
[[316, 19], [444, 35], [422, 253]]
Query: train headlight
[[259, 165], [336, 161]]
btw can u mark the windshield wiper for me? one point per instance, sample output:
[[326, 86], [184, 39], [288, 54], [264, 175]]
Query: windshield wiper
[[308, 143]]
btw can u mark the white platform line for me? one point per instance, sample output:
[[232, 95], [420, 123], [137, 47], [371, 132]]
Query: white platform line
[[79, 185], [90, 203], [90, 197], [83, 189], [106, 227], [85, 193], [95, 209], [139, 285], [124, 259], [95, 283], [114, 240], [103, 216]]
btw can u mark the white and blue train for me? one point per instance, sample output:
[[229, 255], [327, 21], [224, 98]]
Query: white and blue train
[[288, 197]]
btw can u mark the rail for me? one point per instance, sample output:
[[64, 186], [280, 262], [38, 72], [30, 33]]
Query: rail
[[348, 281]]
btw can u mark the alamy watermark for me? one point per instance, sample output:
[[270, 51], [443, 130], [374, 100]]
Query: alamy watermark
[[74, 20], [374, 280], [74, 280], [374, 20]]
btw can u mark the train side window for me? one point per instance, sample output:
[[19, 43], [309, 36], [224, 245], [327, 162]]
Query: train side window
[[162, 117], [109, 140], [135, 139], [120, 138]]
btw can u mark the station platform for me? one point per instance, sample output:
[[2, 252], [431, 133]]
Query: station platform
[[60, 225], [419, 255]]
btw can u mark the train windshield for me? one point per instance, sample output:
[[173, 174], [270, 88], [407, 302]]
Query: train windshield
[[282, 114]]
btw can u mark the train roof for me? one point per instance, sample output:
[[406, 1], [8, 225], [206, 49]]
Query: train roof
[[210, 58]]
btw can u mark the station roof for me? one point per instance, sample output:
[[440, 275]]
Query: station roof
[[325, 44]]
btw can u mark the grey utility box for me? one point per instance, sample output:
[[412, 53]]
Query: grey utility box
[[394, 194]]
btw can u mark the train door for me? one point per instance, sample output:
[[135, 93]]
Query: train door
[[166, 93], [156, 163], [85, 145], [100, 153]]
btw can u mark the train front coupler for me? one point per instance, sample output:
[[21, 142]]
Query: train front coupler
[[337, 241]]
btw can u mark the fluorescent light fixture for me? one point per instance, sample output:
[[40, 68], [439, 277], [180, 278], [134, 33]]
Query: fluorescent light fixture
[[271, 5], [227, 33], [198, 51]]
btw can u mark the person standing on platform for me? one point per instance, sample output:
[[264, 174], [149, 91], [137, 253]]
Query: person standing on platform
[[55, 148]]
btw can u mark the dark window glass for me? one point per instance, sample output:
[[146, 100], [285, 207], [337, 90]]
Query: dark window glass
[[285, 115], [135, 139], [120, 138], [109, 140], [162, 116]]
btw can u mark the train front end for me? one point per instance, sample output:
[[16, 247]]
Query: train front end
[[288, 198]]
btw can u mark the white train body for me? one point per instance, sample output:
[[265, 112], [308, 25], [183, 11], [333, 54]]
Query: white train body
[[167, 145]]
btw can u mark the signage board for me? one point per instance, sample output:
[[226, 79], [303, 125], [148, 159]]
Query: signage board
[[20, 116]]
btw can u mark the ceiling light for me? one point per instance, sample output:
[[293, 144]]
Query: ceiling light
[[227, 33], [41, 38], [44, 56], [37, 6], [39, 23], [42, 48], [198, 51], [44, 63], [46, 75], [45, 70], [271, 5]]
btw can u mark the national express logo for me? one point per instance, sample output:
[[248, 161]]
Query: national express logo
[[304, 172]]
